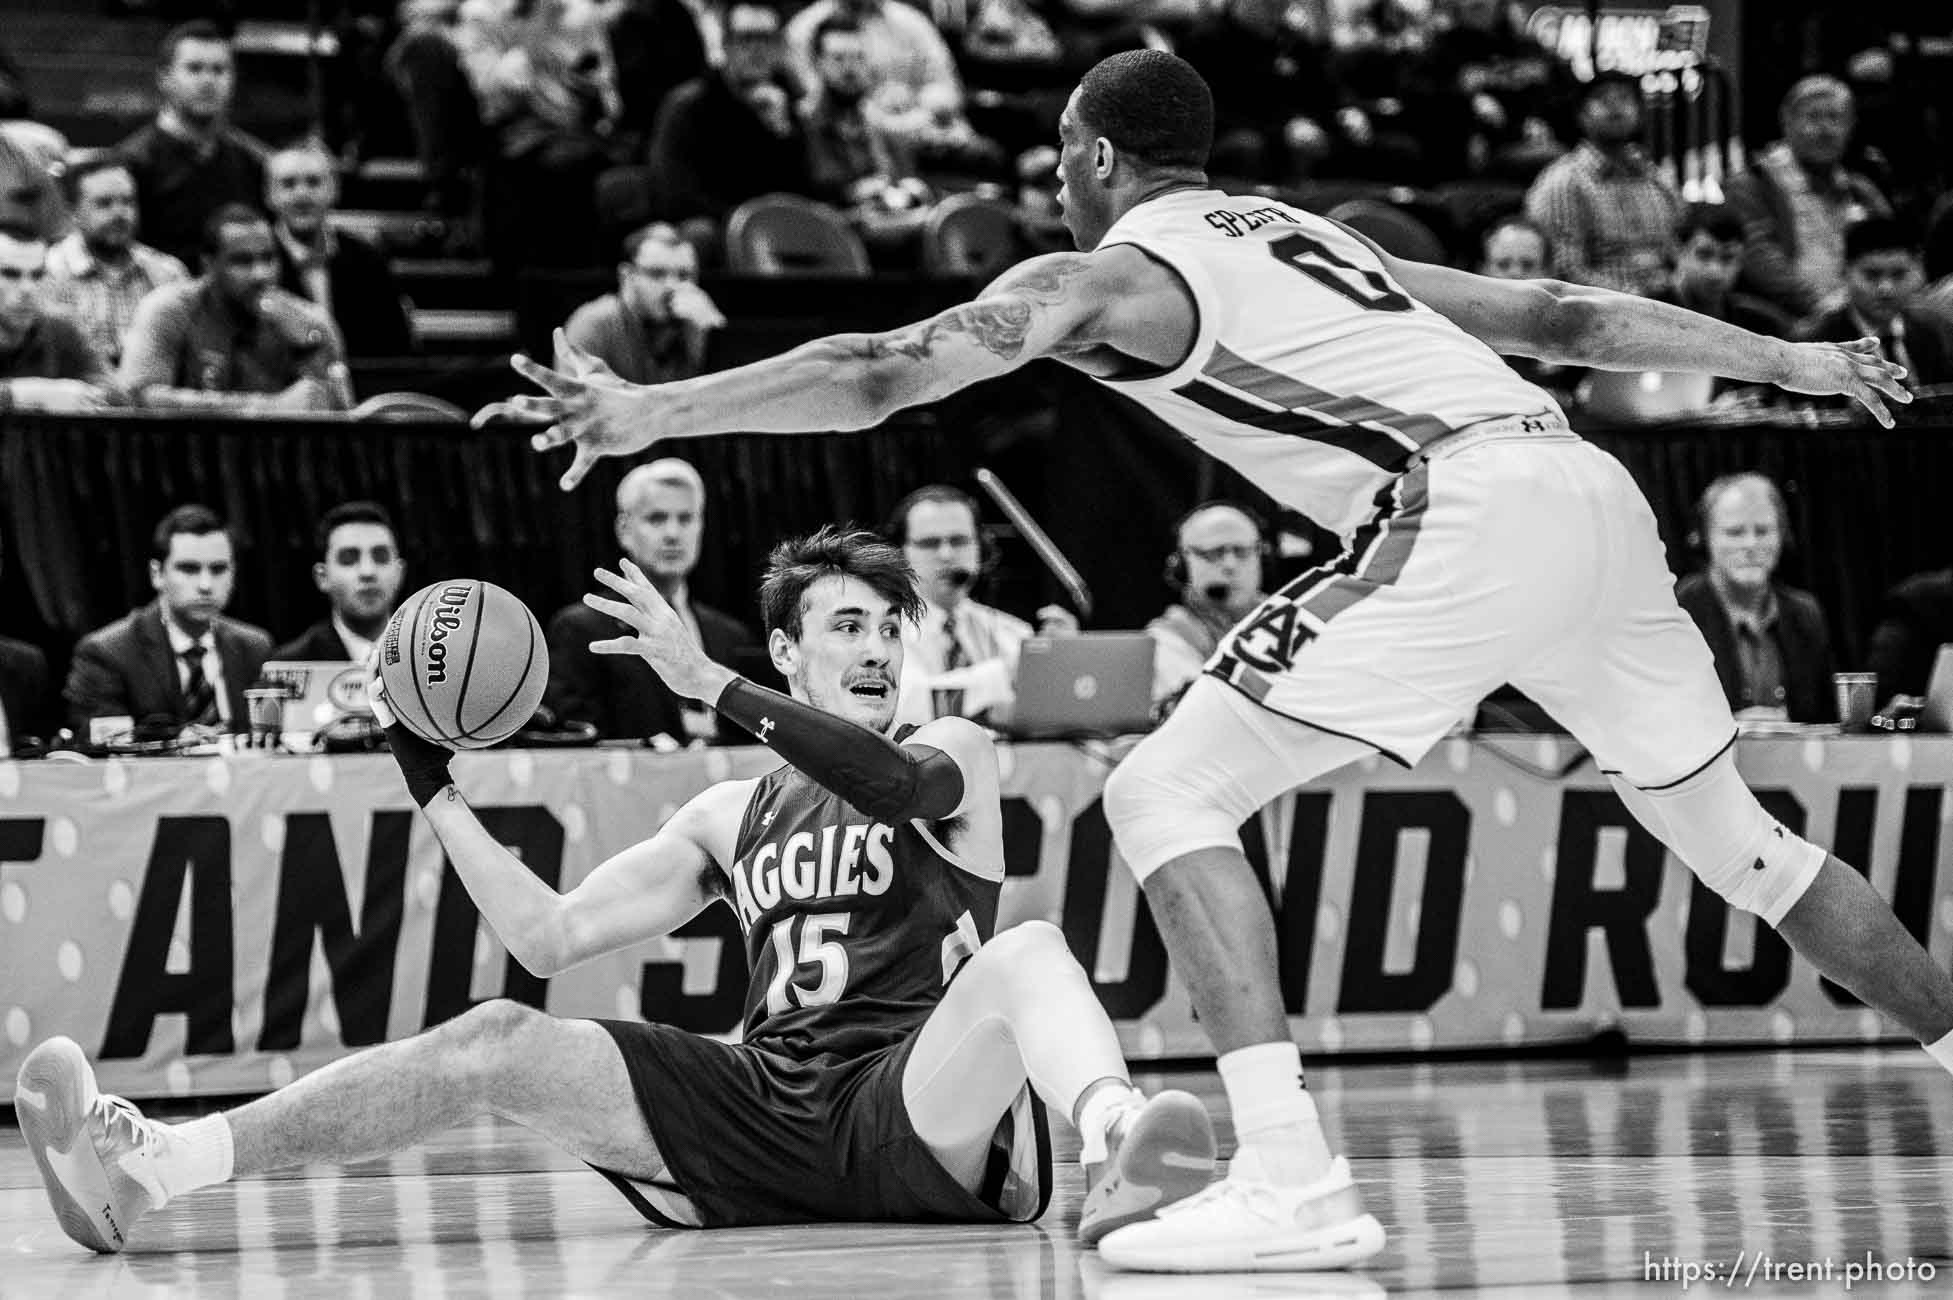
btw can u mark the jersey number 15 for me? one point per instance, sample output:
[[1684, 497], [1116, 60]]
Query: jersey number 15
[[815, 947]]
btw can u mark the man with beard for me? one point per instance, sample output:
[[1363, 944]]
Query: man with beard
[[232, 340], [360, 571], [1215, 568], [1610, 215], [658, 324], [191, 161], [100, 271], [177, 660], [346, 276], [855, 163]]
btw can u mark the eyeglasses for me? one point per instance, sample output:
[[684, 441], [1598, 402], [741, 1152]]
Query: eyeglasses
[[954, 541], [1240, 552]]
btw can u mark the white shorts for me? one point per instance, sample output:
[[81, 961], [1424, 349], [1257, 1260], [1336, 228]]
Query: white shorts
[[1533, 560]]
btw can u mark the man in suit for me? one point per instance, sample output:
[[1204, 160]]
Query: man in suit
[[1772, 649], [1884, 273], [24, 699], [660, 516], [360, 571], [177, 660], [1915, 620], [343, 274]]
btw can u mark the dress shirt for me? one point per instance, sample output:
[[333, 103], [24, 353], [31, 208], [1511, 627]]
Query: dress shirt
[[991, 640], [213, 663]]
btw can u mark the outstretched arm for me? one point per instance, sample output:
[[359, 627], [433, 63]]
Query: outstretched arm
[[1041, 307], [1577, 325]]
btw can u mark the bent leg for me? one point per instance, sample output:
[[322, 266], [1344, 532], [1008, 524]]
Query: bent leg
[[565, 1079]]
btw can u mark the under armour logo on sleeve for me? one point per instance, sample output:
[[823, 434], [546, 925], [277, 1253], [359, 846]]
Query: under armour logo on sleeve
[[765, 729]]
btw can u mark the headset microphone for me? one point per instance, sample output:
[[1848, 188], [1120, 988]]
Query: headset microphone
[[958, 577]]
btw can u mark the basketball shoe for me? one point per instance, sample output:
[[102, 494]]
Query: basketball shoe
[[1240, 1225], [1157, 1154], [97, 1153]]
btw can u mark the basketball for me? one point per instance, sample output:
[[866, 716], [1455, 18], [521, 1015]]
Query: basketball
[[464, 663]]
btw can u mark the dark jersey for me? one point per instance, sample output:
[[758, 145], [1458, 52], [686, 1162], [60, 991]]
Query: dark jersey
[[853, 927]]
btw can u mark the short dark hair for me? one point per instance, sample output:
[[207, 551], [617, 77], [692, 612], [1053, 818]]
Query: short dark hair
[[231, 214], [897, 530], [1152, 106], [834, 552], [200, 30], [1716, 220], [22, 233], [351, 512], [106, 160], [197, 521], [1610, 79], [835, 22], [1879, 235]]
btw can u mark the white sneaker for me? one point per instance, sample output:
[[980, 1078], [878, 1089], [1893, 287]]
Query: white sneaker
[[97, 1153], [1239, 1226], [1162, 1152]]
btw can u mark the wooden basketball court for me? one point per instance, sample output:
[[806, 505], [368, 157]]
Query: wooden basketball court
[[1565, 1178]]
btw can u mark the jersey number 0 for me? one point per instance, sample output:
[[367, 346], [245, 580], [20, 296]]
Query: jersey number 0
[[1366, 288]]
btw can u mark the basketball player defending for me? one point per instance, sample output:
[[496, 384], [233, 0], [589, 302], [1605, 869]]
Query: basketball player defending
[[888, 1038], [1487, 544]]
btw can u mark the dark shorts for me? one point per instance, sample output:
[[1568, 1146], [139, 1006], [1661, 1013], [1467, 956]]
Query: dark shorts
[[752, 1137]]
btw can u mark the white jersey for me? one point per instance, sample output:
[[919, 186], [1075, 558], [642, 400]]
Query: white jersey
[[1312, 372]]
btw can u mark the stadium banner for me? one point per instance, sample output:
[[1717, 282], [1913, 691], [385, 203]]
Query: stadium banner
[[221, 925]]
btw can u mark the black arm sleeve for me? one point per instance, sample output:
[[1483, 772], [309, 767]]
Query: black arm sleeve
[[870, 771]]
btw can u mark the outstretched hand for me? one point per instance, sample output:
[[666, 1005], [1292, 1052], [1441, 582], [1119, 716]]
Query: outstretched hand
[[660, 637], [587, 405], [1857, 370]]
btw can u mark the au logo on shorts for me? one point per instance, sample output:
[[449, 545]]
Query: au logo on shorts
[[1269, 641]]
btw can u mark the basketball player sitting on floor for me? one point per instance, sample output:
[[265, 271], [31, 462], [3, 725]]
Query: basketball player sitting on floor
[[888, 1046]]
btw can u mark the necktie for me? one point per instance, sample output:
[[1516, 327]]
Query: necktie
[[949, 703], [199, 698]]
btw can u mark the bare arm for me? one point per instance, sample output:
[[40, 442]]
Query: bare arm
[[1578, 325], [648, 890], [1042, 307]]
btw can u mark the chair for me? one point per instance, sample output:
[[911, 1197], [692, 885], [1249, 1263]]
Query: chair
[[785, 234], [1395, 231], [970, 235]]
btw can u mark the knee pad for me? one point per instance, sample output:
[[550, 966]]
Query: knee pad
[[1716, 826], [1158, 814]]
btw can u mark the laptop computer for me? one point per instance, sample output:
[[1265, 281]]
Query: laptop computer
[[1937, 713], [1091, 684], [318, 692]]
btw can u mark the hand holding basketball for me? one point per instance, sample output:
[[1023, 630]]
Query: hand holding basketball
[[587, 405], [661, 638]]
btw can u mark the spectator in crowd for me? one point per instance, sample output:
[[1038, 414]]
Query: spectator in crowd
[[1385, 125], [28, 194], [190, 161], [658, 324], [1516, 249], [424, 65], [1274, 101], [1506, 101], [548, 93], [1884, 274], [231, 339], [1708, 265], [176, 660], [960, 658], [343, 274], [656, 47], [731, 134], [1772, 649], [917, 97], [1796, 199], [660, 519], [24, 710], [1610, 213], [99, 272], [45, 362], [1915, 620], [1215, 570], [360, 571], [852, 161]]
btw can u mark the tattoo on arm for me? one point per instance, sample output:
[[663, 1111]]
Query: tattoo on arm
[[1000, 321]]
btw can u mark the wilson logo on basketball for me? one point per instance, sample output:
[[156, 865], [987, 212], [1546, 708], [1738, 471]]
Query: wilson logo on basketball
[[447, 618]]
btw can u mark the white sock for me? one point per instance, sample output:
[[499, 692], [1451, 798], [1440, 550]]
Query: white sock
[[200, 1155], [1275, 1122], [1095, 1119], [1942, 1051]]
